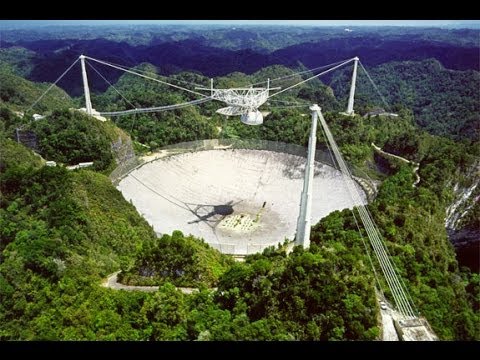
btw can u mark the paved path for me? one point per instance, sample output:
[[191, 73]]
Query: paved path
[[112, 283], [388, 330], [415, 170], [411, 330]]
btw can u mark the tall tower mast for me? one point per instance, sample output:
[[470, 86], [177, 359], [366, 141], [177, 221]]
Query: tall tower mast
[[304, 222], [86, 90], [352, 88]]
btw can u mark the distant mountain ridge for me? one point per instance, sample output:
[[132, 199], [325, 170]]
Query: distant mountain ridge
[[195, 55], [215, 52]]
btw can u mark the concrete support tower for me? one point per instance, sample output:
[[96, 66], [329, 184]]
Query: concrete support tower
[[352, 88], [86, 90], [304, 221]]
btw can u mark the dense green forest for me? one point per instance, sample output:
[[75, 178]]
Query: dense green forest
[[433, 71], [183, 261], [445, 102], [202, 122], [62, 232], [70, 137], [64, 135], [259, 38], [18, 93]]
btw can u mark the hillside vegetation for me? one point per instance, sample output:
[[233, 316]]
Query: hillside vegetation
[[430, 70], [181, 260], [19, 94], [62, 232], [444, 102], [63, 134]]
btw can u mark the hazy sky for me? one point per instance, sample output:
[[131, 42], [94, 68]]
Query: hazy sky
[[457, 23]]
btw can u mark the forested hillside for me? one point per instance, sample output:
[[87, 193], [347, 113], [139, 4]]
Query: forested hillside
[[64, 135], [193, 55], [63, 232], [433, 71], [82, 229], [202, 122], [445, 102], [18, 93], [259, 38]]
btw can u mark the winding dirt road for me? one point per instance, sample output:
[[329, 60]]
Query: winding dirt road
[[415, 169], [112, 283]]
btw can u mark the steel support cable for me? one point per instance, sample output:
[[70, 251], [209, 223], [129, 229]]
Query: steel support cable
[[52, 85], [389, 273], [155, 109], [312, 77], [353, 213], [390, 256], [335, 165], [375, 86], [332, 158], [109, 83], [392, 280], [387, 268], [367, 251], [298, 73], [287, 106], [124, 67], [383, 261], [290, 102], [166, 77], [145, 76]]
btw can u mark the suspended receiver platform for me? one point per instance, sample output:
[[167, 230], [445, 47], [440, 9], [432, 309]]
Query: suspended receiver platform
[[242, 101]]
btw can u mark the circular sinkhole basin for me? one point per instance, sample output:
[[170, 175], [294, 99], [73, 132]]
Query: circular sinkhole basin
[[239, 201]]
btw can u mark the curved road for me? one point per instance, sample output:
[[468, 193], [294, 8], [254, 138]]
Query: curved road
[[112, 283], [388, 330], [415, 170]]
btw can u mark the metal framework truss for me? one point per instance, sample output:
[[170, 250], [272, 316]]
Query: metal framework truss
[[241, 100]]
